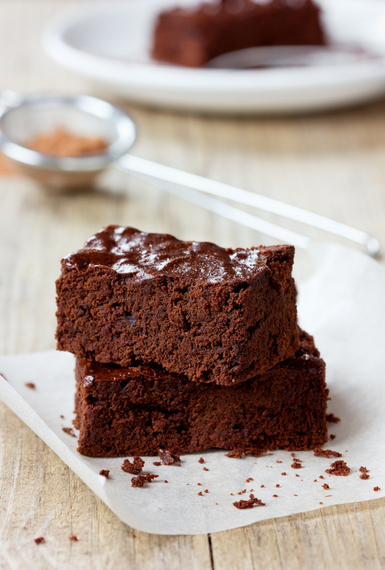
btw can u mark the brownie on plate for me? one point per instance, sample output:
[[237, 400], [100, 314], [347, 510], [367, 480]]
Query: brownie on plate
[[139, 409], [214, 315], [191, 36]]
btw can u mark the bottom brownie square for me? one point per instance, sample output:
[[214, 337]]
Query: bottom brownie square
[[139, 409]]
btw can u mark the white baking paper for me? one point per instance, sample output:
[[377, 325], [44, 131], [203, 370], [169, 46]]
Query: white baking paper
[[343, 306]]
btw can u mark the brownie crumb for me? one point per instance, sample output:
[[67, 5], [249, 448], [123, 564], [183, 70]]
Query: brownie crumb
[[73, 538], [30, 385], [68, 431], [321, 503], [262, 486], [105, 473], [242, 492], [200, 494], [315, 481], [325, 486], [237, 453], [140, 480], [249, 479], [248, 504], [296, 465], [168, 458], [201, 460], [62, 417], [295, 495], [283, 473], [40, 540], [278, 485], [338, 468], [364, 476], [253, 451], [206, 490], [135, 467], [278, 461], [332, 436], [157, 463], [376, 489], [363, 470], [205, 469], [318, 452], [332, 419], [321, 477], [292, 454], [165, 481], [275, 496], [199, 484], [150, 477], [296, 475]]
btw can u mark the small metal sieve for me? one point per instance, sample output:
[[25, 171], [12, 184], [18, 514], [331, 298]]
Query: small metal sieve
[[23, 118]]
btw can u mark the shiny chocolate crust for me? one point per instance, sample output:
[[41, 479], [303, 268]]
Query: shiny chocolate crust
[[144, 256], [192, 35], [137, 410], [212, 314]]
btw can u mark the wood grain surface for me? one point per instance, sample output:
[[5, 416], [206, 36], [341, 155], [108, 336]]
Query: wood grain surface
[[333, 164]]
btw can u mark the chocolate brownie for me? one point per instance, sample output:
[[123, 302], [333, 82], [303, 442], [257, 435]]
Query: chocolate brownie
[[137, 410], [191, 36], [212, 314]]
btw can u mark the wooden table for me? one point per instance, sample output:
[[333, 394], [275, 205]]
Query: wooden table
[[332, 164]]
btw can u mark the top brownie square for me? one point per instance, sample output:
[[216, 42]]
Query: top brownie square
[[212, 314]]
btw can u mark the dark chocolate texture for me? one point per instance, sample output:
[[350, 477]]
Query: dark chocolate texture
[[212, 314], [137, 410], [191, 36]]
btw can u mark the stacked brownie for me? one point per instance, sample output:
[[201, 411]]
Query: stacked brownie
[[187, 346]]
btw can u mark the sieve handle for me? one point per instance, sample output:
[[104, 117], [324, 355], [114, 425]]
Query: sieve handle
[[185, 185]]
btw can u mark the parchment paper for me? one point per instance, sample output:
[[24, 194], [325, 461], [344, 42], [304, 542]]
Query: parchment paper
[[343, 305]]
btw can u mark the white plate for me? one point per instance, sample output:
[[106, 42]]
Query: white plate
[[109, 42]]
